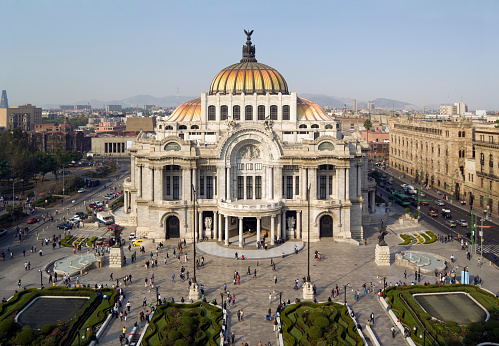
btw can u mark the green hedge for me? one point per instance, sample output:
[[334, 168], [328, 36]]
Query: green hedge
[[433, 237], [51, 200], [406, 238]]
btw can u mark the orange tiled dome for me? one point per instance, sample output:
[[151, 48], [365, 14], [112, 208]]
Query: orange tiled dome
[[187, 111], [308, 110]]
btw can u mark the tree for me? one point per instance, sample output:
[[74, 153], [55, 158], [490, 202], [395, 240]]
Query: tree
[[44, 163], [368, 125]]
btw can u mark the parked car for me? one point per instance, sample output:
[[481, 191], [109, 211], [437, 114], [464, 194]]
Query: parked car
[[439, 203], [422, 194], [113, 226], [463, 223], [108, 196], [432, 213], [32, 220], [108, 242], [81, 190], [132, 236], [74, 220], [3, 232], [80, 214], [424, 203], [451, 223], [64, 226]]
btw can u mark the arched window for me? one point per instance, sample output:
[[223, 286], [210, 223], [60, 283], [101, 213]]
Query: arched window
[[285, 113], [211, 113], [464, 134], [328, 127], [169, 127], [194, 127], [459, 134], [482, 159], [160, 127], [315, 126], [261, 112], [248, 113], [236, 113], [273, 112], [224, 112], [302, 126], [182, 127]]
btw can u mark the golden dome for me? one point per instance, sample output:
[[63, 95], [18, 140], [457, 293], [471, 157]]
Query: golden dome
[[248, 76], [187, 111], [309, 110]]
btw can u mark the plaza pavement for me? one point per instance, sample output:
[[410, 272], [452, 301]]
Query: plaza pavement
[[341, 264]]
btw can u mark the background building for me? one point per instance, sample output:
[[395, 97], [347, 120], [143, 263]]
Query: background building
[[113, 108], [457, 109], [4, 102], [24, 117]]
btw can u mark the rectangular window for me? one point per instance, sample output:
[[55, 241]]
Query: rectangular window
[[240, 187], [176, 188], [240, 166], [283, 186], [249, 166], [258, 187], [209, 187], [201, 186], [322, 187], [236, 113], [258, 166], [249, 187], [289, 187], [168, 185], [330, 185], [224, 112], [285, 113], [297, 185], [215, 184]]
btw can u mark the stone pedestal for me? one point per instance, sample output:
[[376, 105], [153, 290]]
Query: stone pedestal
[[116, 257], [382, 255], [308, 291], [194, 292]]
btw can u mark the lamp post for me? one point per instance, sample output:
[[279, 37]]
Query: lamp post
[[384, 283], [345, 290], [308, 233], [222, 300], [157, 296], [63, 183], [194, 231]]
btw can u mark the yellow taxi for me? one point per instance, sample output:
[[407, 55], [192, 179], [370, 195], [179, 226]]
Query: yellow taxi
[[138, 241]]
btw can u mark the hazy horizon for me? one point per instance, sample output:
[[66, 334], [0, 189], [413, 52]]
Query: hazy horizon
[[425, 52]]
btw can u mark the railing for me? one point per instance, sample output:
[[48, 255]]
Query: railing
[[238, 206]]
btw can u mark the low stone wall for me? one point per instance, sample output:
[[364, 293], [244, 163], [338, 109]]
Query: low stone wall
[[407, 264]]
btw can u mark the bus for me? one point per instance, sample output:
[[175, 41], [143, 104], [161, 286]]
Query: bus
[[401, 198]]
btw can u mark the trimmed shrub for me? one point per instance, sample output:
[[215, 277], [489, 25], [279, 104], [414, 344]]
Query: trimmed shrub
[[25, 336], [181, 342], [46, 329], [314, 315], [315, 332], [8, 327], [174, 335], [321, 322]]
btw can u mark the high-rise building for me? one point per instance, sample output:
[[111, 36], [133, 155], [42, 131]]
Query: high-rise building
[[354, 106], [459, 108], [4, 103], [113, 108], [24, 117], [370, 105]]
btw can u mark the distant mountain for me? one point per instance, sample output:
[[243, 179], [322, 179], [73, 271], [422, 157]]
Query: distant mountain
[[325, 100], [339, 102], [381, 103]]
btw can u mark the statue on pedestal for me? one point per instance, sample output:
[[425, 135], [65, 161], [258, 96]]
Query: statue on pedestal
[[117, 238], [381, 237]]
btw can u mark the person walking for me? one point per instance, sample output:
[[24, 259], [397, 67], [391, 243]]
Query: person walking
[[270, 298], [393, 332], [371, 318], [275, 279], [275, 324]]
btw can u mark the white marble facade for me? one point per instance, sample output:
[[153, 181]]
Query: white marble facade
[[250, 168]]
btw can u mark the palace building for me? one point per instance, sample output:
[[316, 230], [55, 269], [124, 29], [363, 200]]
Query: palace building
[[249, 157]]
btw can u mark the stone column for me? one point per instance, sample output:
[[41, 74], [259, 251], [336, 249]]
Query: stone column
[[240, 232], [158, 185], [298, 224], [229, 185], [133, 167], [272, 229], [226, 230], [125, 200], [278, 183], [195, 180], [312, 181], [219, 226], [258, 229], [283, 225], [151, 187], [279, 226], [199, 231], [347, 184], [213, 234], [139, 192], [359, 181]]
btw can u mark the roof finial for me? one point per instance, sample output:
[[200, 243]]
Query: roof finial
[[248, 49]]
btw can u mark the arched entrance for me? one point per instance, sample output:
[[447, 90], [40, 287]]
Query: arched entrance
[[326, 226], [172, 227]]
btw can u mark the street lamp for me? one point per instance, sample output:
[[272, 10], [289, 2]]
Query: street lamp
[[41, 278], [345, 290], [308, 233], [194, 232], [222, 300], [384, 283], [63, 184], [13, 201]]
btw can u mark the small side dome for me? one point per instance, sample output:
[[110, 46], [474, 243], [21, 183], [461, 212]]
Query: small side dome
[[311, 111], [187, 111]]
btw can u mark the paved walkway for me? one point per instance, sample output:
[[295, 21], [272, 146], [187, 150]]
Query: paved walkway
[[342, 264]]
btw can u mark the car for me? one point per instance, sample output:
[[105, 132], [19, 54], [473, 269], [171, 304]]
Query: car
[[108, 197], [81, 190], [424, 203], [403, 186], [108, 242], [99, 241], [422, 194], [445, 210], [80, 214], [64, 226], [115, 226], [432, 213], [463, 223], [433, 209], [131, 236], [32, 220], [74, 220], [138, 242], [451, 223], [3, 232], [439, 203], [446, 215]]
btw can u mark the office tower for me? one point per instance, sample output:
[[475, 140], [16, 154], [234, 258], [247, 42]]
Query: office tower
[[4, 103]]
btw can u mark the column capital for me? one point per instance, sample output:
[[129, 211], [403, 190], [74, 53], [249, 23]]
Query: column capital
[[258, 217]]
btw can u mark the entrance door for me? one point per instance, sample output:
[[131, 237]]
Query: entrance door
[[172, 227], [249, 224], [326, 226]]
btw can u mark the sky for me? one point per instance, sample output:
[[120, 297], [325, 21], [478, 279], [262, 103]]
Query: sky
[[422, 52]]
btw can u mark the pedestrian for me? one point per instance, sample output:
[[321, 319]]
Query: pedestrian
[[144, 302], [233, 338], [371, 318], [255, 273], [275, 324], [124, 331], [173, 277], [270, 298], [242, 314], [275, 279], [393, 331], [239, 315], [111, 277], [128, 305]]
